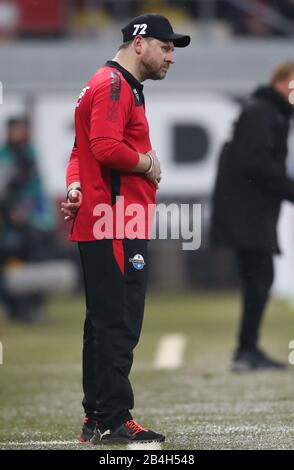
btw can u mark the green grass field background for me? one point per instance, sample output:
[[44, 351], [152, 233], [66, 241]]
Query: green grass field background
[[200, 405]]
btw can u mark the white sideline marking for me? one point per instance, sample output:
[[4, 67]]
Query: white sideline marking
[[37, 443], [146, 446], [170, 352], [133, 446]]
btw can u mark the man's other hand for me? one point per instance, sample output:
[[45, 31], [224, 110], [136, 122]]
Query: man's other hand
[[72, 205]]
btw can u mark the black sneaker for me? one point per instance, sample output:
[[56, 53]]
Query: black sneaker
[[254, 360], [87, 429], [129, 431]]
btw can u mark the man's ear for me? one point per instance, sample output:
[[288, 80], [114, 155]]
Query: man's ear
[[138, 44]]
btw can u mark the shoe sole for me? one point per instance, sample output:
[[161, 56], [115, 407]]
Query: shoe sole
[[248, 368], [85, 436], [126, 441]]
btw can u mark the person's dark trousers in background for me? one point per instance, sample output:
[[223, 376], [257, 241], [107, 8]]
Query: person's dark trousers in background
[[115, 288], [257, 274]]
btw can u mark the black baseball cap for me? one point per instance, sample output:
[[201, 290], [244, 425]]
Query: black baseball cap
[[154, 26]]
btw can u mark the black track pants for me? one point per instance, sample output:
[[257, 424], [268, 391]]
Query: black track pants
[[115, 290]]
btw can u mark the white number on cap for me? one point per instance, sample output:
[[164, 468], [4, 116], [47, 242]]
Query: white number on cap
[[141, 27]]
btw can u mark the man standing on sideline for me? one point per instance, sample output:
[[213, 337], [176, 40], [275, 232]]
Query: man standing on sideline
[[250, 186], [112, 157]]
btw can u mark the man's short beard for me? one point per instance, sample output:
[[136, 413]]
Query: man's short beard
[[150, 74], [154, 76]]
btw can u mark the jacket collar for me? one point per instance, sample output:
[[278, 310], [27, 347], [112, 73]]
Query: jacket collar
[[127, 75], [270, 94]]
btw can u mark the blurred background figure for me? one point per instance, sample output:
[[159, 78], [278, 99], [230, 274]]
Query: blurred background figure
[[26, 218], [48, 49], [250, 186], [62, 42]]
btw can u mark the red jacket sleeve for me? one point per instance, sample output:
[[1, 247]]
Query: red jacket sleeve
[[73, 170], [111, 107]]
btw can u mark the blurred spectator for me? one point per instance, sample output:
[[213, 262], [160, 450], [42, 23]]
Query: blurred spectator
[[257, 17], [88, 17], [9, 19], [191, 6], [251, 184], [285, 7], [33, 19], [120, 10], [26, 219], [241, 17]]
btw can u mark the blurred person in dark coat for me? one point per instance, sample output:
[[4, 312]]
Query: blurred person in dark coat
[[250, 186], [26, 218]]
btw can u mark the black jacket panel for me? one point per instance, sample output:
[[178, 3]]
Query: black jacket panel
[[251, 180]]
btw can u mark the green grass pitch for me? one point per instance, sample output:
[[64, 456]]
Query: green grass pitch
[[200, 405]]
